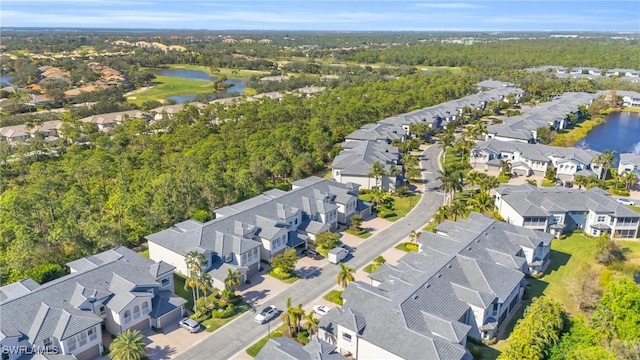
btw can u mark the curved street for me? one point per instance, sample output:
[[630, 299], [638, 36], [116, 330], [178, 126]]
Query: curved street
[[243, 331]]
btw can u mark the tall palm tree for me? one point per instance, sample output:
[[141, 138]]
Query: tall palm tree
[[481, 202], [232, 282], [377, 171], [473, 178], [605, 160], [488, 183], [505, 166], [629, 179], [310, 324], [288, 316], [204, 283], [378, 197], [195, 262], [447, 141], [345, 275], [394, 170], [451, 181], [442, 214], [413, 174], [298, 314], [458, 209], [128, 346], [410, 161]]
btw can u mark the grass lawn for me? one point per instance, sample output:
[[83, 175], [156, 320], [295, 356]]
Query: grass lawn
[[369, 268], [363, 234], [240, 74], [144, 253], [399, 208], [172, 86], [451, 159], [430, 226], [408, 247], [254, 349], [212, 324], [178, 285], [334, 297], [577, 131]]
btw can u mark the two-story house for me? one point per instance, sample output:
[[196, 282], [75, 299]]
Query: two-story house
[[559, 209], [355, 162], [464, 282], [259, 228], [111, 291], [629, 162]]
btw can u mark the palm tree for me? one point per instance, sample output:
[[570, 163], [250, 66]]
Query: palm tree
[[204, 283], [310, 324], [195, 263], [413, 236], [288, 316], [451, 181], [458, 209], [532, 182], [442, 214], [488, 183], [394, 171], [232, 282], [481, 202], [629, 178], [505, 166], [409, 161], [377, 171], [605, 160], [447, 141], [474, 178], [128, 346], [378, 197], [413, 174], [298, 314], [345, 276]]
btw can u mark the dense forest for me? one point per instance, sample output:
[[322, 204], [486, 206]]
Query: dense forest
[[118, 189]]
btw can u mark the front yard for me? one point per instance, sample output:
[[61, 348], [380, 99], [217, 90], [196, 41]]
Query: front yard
[[396, 207]]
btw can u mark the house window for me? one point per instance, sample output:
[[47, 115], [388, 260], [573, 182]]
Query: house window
[[594, 232], [145, 307], [103, 310], [71, 343], [601, 218], [83, 338], [494, 311], [92, 334], [136, 312], [47, 342], [346, 337], [127, 316], [165, 282]]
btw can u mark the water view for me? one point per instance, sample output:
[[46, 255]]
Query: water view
[[619, 133], [237, 85], [5, 79]]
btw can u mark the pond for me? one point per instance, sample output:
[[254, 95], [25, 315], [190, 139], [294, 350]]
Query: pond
[[620, 133], [237, 85]]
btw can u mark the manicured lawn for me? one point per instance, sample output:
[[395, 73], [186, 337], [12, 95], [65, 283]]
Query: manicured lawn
[[178, 285], [254, 349], [334, 297], [452, 159], [363, 234], [399, 208], [172, 86], [481, 351], [240, 74], [408, 247], [212, 324]]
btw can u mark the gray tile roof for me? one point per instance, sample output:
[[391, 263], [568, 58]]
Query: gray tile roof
[[50, 309], [538, 152], [264, 212], [529, 200], [630, 158], [286, 348], [358, 156], [378, 132]]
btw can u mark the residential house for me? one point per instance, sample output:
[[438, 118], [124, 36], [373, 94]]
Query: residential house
[[274, 95], [623, 72], [493, 84], [560, 209], [585, 71], [629, 98], [284, 348], [549, 68], [18, 134], [355, 161], [378, 132], [170, 110], [465, 281], [259, 228], [276, 78], [106, 122], [629, 162], [111, 291], [533, 159]]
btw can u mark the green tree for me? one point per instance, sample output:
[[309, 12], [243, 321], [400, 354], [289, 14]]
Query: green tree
[[481, 202], [232, 281], [129, 345], [458, 209], [326, 241], [618, 315], [413, 237], [605, 161], [356, 222], [195, 263], [505, 166], [286, 261], [288, 316], [607, 250], [451, 182], [345, 275], [446, 142], [377, 171], [442, 214], [310, 324]]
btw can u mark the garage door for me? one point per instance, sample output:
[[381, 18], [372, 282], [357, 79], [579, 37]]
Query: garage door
[[142, 326], [89, 354], [171, 317]]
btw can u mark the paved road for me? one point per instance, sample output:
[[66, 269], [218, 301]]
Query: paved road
[[242, 332]]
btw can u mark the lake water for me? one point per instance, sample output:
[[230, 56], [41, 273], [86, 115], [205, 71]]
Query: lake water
[[5, 79], [237, 85], [619, 133]]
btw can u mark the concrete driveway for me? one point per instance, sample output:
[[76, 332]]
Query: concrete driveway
[[172, 341]]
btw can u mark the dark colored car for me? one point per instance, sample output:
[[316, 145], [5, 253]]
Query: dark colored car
[[312, 254], [568, 184]]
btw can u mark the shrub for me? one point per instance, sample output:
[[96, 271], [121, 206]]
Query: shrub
[[280, 274], [223, 313], [302, 337], [45, 272], [386, 214]]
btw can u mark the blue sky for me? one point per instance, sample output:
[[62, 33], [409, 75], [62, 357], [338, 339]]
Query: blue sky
[[347, 15]]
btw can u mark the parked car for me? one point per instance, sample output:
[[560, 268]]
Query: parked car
[[625, 202], [568, 184], [321, 310], [190, 325], [312, 254], [266, 314], [558, 182]]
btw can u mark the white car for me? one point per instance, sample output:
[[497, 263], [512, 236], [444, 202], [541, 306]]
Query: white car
[[190, 325], [321, 310], [266, 314], [625, 202]]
